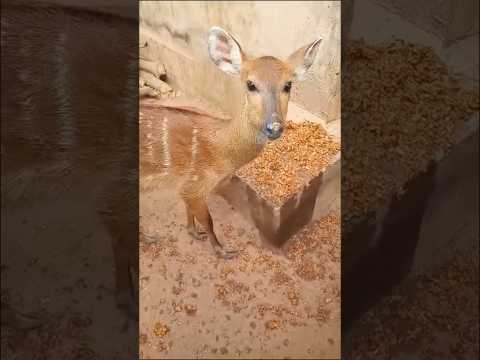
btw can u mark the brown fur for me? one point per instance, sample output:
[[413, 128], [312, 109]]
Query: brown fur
[[198, 151], [221, 147]]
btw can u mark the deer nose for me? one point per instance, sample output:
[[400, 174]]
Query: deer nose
[[274, 130]]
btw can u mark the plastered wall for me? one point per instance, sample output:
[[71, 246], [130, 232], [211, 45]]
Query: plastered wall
[[177, 35], [450, 20]]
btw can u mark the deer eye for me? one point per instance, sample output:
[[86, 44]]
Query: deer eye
[[251, 86], [287, 87]]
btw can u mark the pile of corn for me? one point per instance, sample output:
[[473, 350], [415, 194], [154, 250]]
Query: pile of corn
[[289, 163], [399, 109]]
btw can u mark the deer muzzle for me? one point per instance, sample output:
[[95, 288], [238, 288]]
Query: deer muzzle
[[273, 124], [273, 130]]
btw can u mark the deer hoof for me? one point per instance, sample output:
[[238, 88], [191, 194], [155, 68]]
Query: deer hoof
[[127, 304], [226, 253], [150, 239], [21, 321], [197, 234], [30, 321]]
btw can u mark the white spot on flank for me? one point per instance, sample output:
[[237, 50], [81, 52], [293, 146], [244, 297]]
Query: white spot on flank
[[28, 106], [165, 145], [194, 153], [194, 145], [130, 104], [63, 92]]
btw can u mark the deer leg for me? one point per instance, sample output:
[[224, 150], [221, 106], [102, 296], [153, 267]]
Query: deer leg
[[117, 211], [199, 209], [192, 229], [123, 280], [18, 320]]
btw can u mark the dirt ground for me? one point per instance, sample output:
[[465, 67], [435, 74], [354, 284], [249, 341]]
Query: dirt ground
[[73, 328], [432, 315], [259, 305]]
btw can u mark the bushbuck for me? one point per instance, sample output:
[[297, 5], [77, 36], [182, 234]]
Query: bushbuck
[[195, 152], [70, 134]]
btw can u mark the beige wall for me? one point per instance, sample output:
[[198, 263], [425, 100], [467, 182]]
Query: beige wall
[[447, 19], [178, 33]]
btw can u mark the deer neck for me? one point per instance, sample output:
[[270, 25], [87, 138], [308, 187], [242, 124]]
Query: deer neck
[[242, 140]]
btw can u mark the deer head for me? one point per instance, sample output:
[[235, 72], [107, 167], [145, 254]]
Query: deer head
[[266, 80]]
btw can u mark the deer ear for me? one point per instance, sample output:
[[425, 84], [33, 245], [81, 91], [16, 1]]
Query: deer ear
[[225, 51], [303, 58]]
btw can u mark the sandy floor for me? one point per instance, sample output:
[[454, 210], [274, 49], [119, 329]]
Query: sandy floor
[[431, 315], [73, 328], [260, 305]]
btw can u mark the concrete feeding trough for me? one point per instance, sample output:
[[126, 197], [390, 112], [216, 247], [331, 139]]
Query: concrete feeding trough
[[385, 244], [396, 232], [278, 222], [383, 234], [278, 219]]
